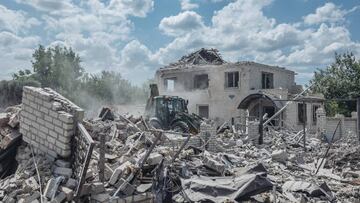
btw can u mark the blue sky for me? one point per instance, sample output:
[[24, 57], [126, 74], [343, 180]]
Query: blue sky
[[135, 37]]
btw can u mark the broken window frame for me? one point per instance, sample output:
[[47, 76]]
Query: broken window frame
[[267, 80], [315, 107], [199, 84], [166, 84], [301, 113], [235, 79], [208, 110]]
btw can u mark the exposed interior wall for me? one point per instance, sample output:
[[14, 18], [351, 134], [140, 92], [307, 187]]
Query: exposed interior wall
[[48, 121]]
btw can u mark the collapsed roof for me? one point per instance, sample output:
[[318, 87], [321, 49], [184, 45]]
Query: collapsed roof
[[201, 57]]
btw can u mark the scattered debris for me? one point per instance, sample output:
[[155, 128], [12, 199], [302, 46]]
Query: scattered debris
[[145, 164]]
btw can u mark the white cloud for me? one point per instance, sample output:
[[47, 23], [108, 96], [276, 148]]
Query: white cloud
[[329, 12], [188, 5], [15, 52], [15, 21], [54, 7], [241, 31], [138, 8], [182, 23], [137, 62]]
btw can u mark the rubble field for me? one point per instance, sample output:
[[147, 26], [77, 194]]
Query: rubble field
[[131, 162]]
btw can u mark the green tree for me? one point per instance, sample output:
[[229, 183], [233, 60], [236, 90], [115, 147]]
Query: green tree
[[58, 68], [42, 60], [340, 80]]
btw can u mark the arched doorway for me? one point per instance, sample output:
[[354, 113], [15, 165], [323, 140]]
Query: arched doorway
[[259, 104]]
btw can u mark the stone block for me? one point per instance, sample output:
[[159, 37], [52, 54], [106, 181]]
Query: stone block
[[44, 129], [213, 164], [279, 156], [44, 110], [62, 146], [69, 193], [66, 172], [52, 187], [154, 158], [51, 139], [118, 171], [53, 114], [56, 106], [48, 118], [53, 134], [71, 183], [66, 117], [62, 163], [101, 197], [57, 122], [59, 198], [50, 126], [59, 130], [97, 188], [8, 139], [14, 120]]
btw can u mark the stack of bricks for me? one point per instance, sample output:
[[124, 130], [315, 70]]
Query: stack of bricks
[[48, 121]]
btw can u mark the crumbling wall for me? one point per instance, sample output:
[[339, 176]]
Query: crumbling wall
[[48, 121], [327, 125]]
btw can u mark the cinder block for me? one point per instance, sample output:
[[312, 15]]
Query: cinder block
[[50, 126], [40, 121], [35, 124], [31, 98], [33, 105], [25, 126], [57, 122], [62, 145], [53, 114], [59, 130], [64, 139], [25, 101], [44, 129], [68, 126], [34, 130], [31, 117], [38, 114], [53, 134], [39, 101], [42, 136], [50, 139], [47, 104], [44, 110], [48, 118], [46, 97], [66, 117]]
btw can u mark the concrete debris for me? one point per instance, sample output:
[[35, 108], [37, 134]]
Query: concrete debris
[[279, 156], [4, 119], [150, 165]]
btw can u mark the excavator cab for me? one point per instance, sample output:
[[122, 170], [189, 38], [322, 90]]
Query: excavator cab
[[170, 113]]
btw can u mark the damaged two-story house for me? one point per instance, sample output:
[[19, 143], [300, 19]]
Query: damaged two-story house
[[224, 91]]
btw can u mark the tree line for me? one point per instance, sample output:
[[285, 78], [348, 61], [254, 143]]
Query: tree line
[[60, 69]]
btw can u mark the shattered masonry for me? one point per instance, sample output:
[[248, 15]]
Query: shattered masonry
[[48, 121]]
